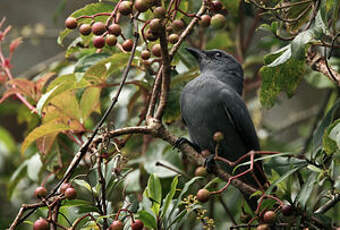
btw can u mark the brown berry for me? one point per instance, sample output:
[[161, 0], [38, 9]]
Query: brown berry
[[218, 136], [200, 171], [145, 55], [141, 5], [151, 36], [178, 25], [41, 224], [169, 29], [127, 45], [218, 21], [137, 225], [98, 42], [203, 195], [111, 40], [217, 6], [263, 227], [287, 210], [159, 12], [85, 29], [98, 28], [155, 25], [269, 217], [71, 23], [114, 29], [40, 192], [116, 225], [125, 7], [205, 20], [70, 193], [173, 38], [156, 50], [64, 186]]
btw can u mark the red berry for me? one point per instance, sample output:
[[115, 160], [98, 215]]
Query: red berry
[[159, 12], [151, 36], [200, 171], [127, 45], [142, 5], [70, 193], [145, 55], [40, 192], [98, 42], [98, 28], [218, 136], [125, 7], [115, 29], [156, 50], [64, 186], [218, 21], [116, 225], [178, 25], [41, 224], [155, 25], [287, 210], [263, 227], [85, 29], [217, 6], [71, 23], [205, 20], [269, 217], [110, 40], [137, 225], [173, 38], [203, 195]]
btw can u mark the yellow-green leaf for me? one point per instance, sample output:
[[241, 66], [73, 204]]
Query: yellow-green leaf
[[90, 101]]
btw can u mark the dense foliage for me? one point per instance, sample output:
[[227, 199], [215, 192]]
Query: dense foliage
[[121, 169]]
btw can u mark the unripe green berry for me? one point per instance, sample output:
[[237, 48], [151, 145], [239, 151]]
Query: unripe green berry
[[111, 40], [218, 21], [218, 136]]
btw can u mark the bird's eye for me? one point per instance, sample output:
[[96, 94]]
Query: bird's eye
[[218, 54]]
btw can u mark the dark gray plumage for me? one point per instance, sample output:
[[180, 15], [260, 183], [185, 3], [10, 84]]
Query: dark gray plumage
[[212, 102]]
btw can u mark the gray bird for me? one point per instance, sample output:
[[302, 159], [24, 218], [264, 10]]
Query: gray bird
[[212, 103]]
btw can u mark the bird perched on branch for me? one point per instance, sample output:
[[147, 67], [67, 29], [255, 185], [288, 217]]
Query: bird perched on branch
[[212, 103]]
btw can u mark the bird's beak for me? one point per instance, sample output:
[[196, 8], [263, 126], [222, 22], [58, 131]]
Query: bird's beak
[[198, 54]]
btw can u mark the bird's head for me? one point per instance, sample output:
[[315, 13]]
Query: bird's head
[[220, 64]]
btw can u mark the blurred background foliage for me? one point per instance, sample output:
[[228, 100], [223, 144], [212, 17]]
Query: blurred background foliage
[[34, 150]]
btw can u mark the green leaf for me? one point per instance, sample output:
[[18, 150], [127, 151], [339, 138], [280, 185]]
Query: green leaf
[[148, 219], [326, 121], [305, 192], [89, 9], [45, 129], [90, 102], [170, 195], [283, 177], [89, 61], [299, 44], [34, 165], [331, 138], [154, 193], [16, 177], [7, 143], [283, 74]]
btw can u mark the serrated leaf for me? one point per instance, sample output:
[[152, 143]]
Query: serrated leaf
[[284, 77], [90, 102], [45, 129], [89, 9], [148, 219]]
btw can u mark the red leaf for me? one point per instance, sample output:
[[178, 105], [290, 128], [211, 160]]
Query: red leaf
[[14, 44]]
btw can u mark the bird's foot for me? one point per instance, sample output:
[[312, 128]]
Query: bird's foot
[[182, 140], [210, 163]]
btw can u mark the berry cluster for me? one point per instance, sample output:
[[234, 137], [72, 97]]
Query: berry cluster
[[161, 19]]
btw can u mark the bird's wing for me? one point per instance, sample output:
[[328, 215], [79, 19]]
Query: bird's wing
[[238, 114]]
